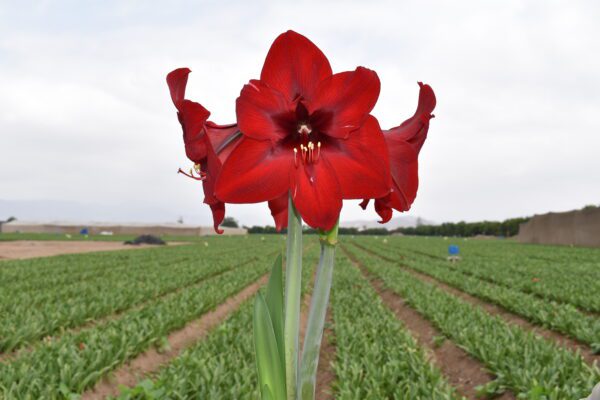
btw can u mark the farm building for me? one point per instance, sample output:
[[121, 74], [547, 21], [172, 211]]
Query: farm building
[[578, 228], [95, 228]]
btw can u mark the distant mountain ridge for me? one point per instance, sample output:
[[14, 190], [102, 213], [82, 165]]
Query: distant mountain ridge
[[398, 222]]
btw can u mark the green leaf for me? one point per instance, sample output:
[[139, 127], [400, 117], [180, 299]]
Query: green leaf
[[274, 300], [268, 360], [266, 393]]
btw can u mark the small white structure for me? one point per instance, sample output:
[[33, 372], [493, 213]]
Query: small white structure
[[97, 228]]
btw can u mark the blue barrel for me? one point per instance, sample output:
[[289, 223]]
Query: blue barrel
[[453, 250]]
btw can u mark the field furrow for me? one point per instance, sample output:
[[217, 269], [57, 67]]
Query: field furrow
[[461, 370], [524, 363], [559, 317], [376, 357]]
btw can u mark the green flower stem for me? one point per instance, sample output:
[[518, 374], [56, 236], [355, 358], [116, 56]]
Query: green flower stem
[[316, 316], [293, 280]]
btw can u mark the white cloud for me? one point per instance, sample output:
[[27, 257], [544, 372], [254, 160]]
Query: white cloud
[[85, 113]]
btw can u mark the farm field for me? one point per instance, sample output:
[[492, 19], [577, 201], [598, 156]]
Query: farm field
[[507, 321]]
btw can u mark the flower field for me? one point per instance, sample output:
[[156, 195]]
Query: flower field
[[507, 320]]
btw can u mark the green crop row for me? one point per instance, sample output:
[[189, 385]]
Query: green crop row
[[549, 272], [33, 315], [529, 365], [218, 367], [76, 361], [47, 272], [560, 317], [376, 357]]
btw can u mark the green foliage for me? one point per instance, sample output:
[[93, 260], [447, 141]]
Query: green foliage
[[230, 222], [523, 362], [268, 336], [222, 366], [561, 317], [77, 360], [376, 357], [506, 228], [33, 292]]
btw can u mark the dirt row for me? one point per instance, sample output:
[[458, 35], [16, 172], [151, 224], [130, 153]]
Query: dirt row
[[23, 249], [151, 360], [560, 339]]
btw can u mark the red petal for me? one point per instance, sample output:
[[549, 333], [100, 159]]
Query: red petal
[[414, 129], [384, 210], [404, 143], [191, 115], [405, 176], [260, 110], [344, 101], [256, 171], [361, 162], [279, 211], [177, 81], [220, 142], [363, 204], [316, 194], [294, 66], [218, 212], [223, 139]]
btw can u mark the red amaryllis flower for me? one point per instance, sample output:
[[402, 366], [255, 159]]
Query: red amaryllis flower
[[192, 116], [308, 132], [404, 143], [208, 145], [197, 135]]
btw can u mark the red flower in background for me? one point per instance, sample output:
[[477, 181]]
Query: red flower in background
[[192, 116], [404, 143], [307, 132], [208, 145]]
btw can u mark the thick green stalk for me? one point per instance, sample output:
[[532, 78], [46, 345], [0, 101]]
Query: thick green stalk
[[293, 280], [316, 317]]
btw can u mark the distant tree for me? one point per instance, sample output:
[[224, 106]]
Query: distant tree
[[230, 222], [264, 229], [509, 227], [11, 219]]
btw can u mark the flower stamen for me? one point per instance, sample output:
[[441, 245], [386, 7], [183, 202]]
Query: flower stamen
[[201, 175], [304, 128]]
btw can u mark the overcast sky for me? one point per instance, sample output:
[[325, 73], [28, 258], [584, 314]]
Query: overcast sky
[[85, 114]]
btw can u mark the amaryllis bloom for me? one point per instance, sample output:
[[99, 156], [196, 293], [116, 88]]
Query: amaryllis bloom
[[208, 145], [307, 132], [404, 143]]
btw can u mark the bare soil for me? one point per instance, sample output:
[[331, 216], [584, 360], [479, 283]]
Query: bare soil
[[151, 360], [460, 369], [22, 249]]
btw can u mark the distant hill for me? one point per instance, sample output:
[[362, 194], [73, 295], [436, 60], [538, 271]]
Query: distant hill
[[398, 222]]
